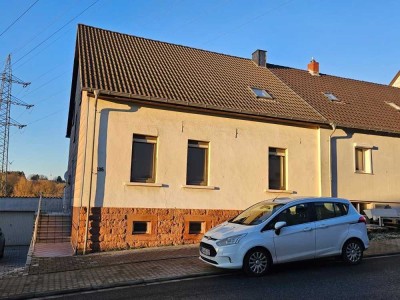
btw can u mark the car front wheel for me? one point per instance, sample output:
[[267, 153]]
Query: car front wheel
[[352, 252], [257, 262]]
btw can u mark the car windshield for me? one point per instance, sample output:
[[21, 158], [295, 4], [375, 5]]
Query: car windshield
[[257, 213]]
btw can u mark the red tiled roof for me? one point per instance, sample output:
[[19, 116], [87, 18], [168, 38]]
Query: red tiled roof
[[135, 66], [362, 105]]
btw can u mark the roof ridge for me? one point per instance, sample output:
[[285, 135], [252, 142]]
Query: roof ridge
[[321, 115], [336, 76], [168, 43]]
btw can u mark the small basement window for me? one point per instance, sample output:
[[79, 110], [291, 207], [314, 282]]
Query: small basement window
[[260, 93], [195, 227], [331, 96], [140, 227]]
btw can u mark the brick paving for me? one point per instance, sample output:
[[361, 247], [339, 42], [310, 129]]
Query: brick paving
[[47, 276]]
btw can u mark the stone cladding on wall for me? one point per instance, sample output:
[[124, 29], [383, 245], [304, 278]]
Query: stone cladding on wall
[[112, 228]]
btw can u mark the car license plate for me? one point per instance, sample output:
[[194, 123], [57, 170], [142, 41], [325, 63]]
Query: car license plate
[[205, 251]]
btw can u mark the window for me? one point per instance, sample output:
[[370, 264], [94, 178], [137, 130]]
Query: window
[[140, 227], [260, 93], [295, 215], [277, 169], [330, 210], [195, 227], [331, 96], [394, 105], [363, 160], [197, 163], [143, 158]]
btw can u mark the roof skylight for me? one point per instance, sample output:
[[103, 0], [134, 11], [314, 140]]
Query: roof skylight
[[394, 105], [260, 93], [331, 96]]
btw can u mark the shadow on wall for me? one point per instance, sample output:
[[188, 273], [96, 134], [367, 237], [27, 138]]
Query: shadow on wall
[[334, 162], [96, 234]]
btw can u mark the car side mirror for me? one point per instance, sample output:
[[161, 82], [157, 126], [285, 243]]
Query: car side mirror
[[278, 226]]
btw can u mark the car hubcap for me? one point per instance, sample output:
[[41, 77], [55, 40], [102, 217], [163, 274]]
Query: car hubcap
[[258, 262], [353, 252]]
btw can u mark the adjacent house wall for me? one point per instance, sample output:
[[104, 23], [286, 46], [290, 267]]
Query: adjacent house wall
[[238, 171], [380, 186]]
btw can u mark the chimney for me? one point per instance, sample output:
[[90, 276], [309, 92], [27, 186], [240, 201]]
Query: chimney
[[259, 57], [313, 67]]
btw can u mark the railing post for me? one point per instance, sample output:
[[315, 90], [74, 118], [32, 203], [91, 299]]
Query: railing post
[[37, 221]]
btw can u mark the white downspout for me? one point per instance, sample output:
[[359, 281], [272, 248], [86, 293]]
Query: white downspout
[[83, 175], [333, 125], [96, 97]]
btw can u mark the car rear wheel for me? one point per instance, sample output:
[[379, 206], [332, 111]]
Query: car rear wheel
[[352, 252], [257, 262]]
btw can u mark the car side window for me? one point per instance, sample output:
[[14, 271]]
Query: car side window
[[294, 215], [341, 209], [324, 210], [329, 210]]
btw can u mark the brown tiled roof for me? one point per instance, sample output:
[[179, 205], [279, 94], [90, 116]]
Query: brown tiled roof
[[362, 105], [135, 66]]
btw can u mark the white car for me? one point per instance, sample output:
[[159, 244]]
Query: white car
[[285, 230]]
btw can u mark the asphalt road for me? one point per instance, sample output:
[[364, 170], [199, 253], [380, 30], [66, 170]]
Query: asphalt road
[[375, 278]]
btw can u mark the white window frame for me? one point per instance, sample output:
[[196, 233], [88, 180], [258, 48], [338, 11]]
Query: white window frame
[[367, 159], [140, 138], [281, 152]]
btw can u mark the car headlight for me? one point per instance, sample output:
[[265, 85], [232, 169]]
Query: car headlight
[[235, 239]]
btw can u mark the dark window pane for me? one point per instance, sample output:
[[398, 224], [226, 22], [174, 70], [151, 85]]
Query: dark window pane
[[340, 209], [143, 162], [274, 172], [139, 228], [195, 227], [294, 215], [197, 166], [324, 210]]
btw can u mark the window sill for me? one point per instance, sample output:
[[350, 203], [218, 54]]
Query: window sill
[[148, 184], [366, 173], [200, 187], [279, 191]]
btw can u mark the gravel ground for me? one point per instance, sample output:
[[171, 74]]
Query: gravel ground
[[14, 258], [384, 235]]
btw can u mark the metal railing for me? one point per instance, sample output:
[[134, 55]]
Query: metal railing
[[33, 241], [34, 236]]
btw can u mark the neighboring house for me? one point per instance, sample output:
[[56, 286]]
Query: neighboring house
[[167, 141], [365, 119], [396, 80]]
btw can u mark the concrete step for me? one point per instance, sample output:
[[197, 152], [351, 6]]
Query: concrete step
[[55, 233], [53, 239]]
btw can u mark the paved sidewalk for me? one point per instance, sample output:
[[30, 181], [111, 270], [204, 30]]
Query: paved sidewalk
[[49, 276]]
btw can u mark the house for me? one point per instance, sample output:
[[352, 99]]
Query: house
[[365, 119], [167, 141]]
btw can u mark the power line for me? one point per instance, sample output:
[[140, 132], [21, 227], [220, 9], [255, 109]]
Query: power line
[[41, 50], [16, 20], [53, 21], [45, 83], [46, 116], [57, 31]]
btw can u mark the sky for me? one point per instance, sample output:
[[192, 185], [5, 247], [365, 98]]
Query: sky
[[354, 39]]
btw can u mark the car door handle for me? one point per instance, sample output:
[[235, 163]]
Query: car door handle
[[307, 229], [323, 226]]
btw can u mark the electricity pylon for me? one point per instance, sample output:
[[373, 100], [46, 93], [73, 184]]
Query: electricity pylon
[[6, 100]]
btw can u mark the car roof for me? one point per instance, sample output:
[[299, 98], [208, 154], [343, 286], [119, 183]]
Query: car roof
[[296, 199]]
